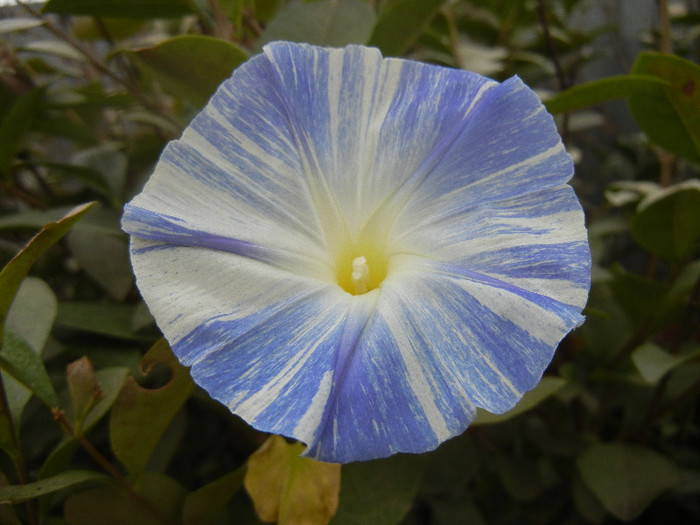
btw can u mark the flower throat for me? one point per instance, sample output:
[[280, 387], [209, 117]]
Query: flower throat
[[360, 268]]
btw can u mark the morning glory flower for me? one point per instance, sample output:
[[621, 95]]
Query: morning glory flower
[[358, 251]]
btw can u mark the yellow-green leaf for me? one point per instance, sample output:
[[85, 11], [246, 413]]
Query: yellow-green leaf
[[291, 489]]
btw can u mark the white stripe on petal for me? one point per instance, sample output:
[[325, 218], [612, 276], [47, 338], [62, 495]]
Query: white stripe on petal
[[537, 242]]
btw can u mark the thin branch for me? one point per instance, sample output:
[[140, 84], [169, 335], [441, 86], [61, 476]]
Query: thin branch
[[453, 33], [101, 460], [551, 47], [100, 66], [19, 459], [666, 160], [666, 43], [554, 55]]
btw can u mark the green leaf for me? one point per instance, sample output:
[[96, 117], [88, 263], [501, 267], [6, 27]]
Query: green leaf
[[100, 220], [141, 415], [669, 115], [20, 493], [12, 25], [379, 492], [288, 488], [667, 223], [546, 387], [607, 325], [31, 317], [400, 24], [14, 125], [7, 439], [637, 295], [160, 503], [7, 512], [626, 478], [109, 319], [60, 459], [110, 163], [19, 360], [84, 390], [110, 380], [105, 258], [265, 9], [203, 505], [87, 28], [55, 48], [603, 90], [652, 362], [334, 23], [191, 66], [33, 312], [585, 501], [14, 272], [519, 476], [119, 8]]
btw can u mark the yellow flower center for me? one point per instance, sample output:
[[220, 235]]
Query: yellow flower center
[[360, 269]]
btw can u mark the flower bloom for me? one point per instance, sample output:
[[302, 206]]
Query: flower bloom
[[357, 252]]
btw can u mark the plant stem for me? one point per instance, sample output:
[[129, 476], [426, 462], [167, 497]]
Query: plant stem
[[554, 55], [101, 460], [19, 457], [666, 44], [666, 159], [454, 37], [100, 66], [551, 47]]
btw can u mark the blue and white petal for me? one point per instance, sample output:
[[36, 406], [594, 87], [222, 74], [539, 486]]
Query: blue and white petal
[[308, 158], [366, 124], [437, 346], [244, 327], [235, 181], [537, 242]]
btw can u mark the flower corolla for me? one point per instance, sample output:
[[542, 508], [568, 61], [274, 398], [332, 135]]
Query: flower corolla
[[358, 251]]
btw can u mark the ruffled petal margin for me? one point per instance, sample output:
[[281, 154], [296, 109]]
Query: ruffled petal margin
[[304, 147]]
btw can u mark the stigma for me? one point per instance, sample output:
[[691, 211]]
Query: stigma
[[360, 275]]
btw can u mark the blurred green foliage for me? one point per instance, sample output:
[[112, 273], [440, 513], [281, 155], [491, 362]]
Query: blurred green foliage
[[97, 428]]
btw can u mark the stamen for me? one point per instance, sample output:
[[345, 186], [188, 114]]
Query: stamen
[[360, 275]]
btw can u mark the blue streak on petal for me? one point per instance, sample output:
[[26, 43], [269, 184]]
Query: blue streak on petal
[[374, 414], [569, 260], [509, 148], [537, 241], [283, 388], [171, 231], [563, 310], [430, 354]]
